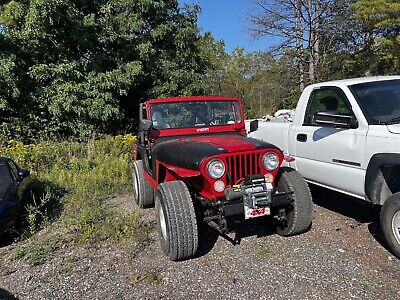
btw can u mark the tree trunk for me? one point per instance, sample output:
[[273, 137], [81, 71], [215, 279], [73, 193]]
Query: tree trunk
[[311, 41], [299, 43], [316, 36]]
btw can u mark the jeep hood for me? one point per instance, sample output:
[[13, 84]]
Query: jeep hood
[[189, 152], [394, 128]]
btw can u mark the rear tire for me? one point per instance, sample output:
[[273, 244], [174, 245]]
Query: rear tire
[[390, 223], [143, 193], [176, 219], [299, 212]]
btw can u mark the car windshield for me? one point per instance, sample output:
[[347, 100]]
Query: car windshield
[[379, 100], [4, 175], [193, 114]]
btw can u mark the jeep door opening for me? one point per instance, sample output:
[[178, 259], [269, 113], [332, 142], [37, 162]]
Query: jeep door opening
[[194, 162]]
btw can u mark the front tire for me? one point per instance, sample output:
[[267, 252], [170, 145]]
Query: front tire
[[390, 223], [176, 219], [143, 194], [298, 215]]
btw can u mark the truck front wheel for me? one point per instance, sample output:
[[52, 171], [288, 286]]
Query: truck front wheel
[[142, 191], [176, 219], [390, 223], [297, 217]]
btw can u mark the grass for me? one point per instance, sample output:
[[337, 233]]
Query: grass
[[263, 251], [147, 277], [70, 184], [37, 251]]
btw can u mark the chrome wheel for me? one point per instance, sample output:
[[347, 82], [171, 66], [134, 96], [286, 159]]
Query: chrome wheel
[[163, 223], [396, 226]]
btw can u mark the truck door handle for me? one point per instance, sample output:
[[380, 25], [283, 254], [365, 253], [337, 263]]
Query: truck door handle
[[301, 137]]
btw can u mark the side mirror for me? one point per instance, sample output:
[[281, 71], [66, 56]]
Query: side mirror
[[253, 125], [23, 173], [326, 119], [145, 125]]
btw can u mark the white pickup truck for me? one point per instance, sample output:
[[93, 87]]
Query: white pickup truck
[[345, 136]]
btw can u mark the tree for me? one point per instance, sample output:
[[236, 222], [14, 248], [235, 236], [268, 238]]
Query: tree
[[75, 68], [361, 39], [381, 19], [294, 24]]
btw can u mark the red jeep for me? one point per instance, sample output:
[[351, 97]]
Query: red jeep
[[195, 162]]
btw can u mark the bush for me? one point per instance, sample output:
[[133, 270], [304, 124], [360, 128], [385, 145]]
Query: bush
[[71, 180]]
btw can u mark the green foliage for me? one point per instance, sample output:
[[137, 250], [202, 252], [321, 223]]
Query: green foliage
[[381, 18], [76, 68], [72, 182], [37, 251]]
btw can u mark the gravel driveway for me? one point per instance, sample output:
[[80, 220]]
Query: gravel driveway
[[341, 257]]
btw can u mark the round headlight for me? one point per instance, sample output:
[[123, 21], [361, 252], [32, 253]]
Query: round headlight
[[216, 169], [270, 161]]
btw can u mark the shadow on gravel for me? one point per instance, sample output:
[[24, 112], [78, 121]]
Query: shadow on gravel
[[5, 240], [359, 210], [240, 228], [6, 295], [208, 236]]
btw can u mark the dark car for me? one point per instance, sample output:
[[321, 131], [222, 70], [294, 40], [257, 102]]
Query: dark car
[[12, 191]]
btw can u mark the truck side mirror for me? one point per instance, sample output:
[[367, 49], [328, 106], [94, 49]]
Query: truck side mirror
[[145, 125], [326, 119], [253, 125]]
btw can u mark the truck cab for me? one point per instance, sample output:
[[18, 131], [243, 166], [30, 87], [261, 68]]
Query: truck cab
[[345, 137]]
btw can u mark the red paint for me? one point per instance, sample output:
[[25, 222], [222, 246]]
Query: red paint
[[240, 168], [289, 158], [258, 212], [231, 142], [150, 180], [180, 172], [155, 133], [243, 158], [191, 98]]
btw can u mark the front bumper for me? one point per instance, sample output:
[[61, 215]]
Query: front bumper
[[236, 206], [255, 193]]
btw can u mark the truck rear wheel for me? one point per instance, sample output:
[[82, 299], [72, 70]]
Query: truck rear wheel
[[142, 191], [176, 219], [298, 215], [390, 223]]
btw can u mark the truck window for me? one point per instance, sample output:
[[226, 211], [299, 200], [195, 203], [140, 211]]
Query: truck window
[[380, 100], [330, 99]]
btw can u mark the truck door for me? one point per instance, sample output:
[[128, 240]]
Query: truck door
[[329, 156]]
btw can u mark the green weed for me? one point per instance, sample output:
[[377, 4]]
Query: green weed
[[263, 251], [71, 180]]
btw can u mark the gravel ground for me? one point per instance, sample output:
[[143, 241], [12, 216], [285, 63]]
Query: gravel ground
[[341, 257]]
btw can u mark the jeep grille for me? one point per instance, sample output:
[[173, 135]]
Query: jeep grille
[[240, 165]]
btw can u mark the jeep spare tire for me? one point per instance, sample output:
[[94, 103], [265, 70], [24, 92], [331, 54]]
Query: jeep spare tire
[[142, 192], [298, 215], [176, 220], [390, 223]]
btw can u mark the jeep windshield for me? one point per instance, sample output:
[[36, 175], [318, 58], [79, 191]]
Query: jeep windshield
[[379, 100], [188, 114]]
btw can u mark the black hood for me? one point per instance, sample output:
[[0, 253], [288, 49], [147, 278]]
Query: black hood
[[189, 152]]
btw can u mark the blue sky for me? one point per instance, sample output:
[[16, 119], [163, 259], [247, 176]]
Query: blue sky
[[226, 19]]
